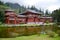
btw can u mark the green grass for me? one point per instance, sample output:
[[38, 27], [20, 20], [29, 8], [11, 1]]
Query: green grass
[[32, 37]]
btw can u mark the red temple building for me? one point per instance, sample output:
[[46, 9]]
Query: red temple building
[[27, 17]]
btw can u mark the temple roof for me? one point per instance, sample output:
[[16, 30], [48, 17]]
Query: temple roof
[[33, 11], [21, 16], [45, 17]]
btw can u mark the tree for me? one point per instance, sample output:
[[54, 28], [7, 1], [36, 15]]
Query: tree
[[1, 12], [1, 3], [56, 15], [22, 9], [42, 11], [1, 16], [2, 9], [33, 8], [28, 7], [47, 13]]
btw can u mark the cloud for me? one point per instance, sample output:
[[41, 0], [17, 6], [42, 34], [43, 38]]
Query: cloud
[[53, 7], [34, 2], [14, 1], [45, 4]]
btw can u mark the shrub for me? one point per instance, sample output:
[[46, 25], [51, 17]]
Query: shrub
[[0, 23], [58, 23], [13, 34], [58, 32], [47, 21], [51, 33], [3, 33], [18, 31]]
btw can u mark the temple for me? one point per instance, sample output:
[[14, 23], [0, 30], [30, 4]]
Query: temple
[[27, 17]]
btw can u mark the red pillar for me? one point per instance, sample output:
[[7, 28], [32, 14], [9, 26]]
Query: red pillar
[[15, 21], [8, 22]]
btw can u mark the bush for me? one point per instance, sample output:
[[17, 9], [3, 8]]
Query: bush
[[0, 23], [51, 34], [3, 33], [58, 23], [58, 32], [18, 31], [13, 34], [6, 32]]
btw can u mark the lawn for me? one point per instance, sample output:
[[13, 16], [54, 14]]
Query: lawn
[[32, 37]]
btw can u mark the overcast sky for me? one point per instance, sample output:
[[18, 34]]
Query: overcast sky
[[44, 4]]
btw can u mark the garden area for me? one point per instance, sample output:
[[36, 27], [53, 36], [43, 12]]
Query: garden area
[[29, 32]]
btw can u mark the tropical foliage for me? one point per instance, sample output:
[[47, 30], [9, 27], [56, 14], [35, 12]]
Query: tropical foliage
[[3, 7], [56, 15]]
